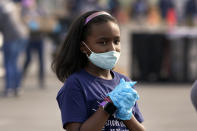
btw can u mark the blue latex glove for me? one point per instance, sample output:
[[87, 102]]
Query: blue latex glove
[[124, 98], [124, 114], [33, 25]]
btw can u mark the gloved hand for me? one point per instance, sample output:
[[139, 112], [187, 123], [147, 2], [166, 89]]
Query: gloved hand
[[124, 114], [124, 98], [33, 25]]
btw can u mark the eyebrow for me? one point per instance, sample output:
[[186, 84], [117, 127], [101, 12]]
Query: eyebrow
[[104, 37]]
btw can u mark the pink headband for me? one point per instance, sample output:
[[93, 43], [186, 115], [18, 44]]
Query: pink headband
[[95, 15]]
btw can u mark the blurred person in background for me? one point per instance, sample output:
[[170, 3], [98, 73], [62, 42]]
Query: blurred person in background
[[153, 16], [80, 6], [190, 12], [168, 12], [164, 6], [194, 95], [15, 35], [139, 10], [63, 21], [32, 14], [88, 5], [114, 7]]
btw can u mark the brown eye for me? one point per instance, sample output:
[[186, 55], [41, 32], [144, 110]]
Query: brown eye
[[116, 42], [103, 42]]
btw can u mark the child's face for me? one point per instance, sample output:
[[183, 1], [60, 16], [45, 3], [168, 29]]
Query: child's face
[[103, 38]]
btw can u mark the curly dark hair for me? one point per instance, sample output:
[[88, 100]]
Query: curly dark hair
[[69, 57]]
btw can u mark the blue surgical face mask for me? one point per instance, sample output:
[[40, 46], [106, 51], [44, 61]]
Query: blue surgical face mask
[[106, 60]]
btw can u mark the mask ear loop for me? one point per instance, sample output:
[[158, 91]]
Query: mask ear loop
[[87, 47]]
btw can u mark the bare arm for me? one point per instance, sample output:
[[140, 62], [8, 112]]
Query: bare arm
[[95, 123], [134, 125]]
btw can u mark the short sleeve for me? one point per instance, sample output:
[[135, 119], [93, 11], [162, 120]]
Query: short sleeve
[[71, 102], [137, 113]]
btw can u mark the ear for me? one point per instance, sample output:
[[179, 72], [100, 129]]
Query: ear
[[82, 48]]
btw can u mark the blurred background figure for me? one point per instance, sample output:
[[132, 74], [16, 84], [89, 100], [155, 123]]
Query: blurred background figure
[[165, 6], [194, 95], [139, 10], [190, 12], [114, 7], [87, 5], [64, 18], [15, 35], [167, 11], [32, 15]]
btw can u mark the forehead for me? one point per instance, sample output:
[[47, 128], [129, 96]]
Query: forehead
[[106, 29]]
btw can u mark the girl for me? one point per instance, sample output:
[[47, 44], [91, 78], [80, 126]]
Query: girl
[[94, 97]]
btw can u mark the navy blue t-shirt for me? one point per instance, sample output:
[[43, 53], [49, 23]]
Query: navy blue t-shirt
[[81, 94]]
